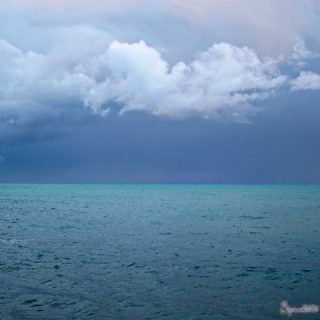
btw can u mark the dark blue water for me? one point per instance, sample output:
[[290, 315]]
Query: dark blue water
[[157, 251]]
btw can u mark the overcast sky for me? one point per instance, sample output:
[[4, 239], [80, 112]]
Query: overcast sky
[[170, 91]]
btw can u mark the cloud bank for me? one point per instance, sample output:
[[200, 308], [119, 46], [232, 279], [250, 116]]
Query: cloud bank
[[86, 56], [222, 81]]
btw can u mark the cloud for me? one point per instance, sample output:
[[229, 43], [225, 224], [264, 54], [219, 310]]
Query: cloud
[[307, 80], [269, 26], [222, 81], [301, 52], [78, 6]]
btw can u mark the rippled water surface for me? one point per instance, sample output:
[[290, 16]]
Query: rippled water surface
[[157, 251]]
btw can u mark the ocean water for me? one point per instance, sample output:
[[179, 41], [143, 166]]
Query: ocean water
[[158, 251]]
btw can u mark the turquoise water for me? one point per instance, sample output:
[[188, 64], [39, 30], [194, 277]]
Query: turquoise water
[[157, 251]]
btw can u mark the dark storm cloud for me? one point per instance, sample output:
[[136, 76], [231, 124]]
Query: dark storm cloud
[[281, 145]]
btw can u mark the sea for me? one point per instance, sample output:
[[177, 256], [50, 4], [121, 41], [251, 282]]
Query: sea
[[211, 252]]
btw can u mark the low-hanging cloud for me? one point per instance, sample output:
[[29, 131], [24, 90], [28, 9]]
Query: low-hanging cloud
[[224, 80]]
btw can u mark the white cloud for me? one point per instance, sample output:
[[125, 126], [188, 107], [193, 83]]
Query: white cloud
[[301, 52], [307, 80], [223, 80]]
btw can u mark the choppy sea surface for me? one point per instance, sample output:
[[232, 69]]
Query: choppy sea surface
[[158, 251]]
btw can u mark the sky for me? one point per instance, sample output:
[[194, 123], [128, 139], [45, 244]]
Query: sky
[[173, 91]]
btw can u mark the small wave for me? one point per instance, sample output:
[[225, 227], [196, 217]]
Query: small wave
[[14, 241]]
